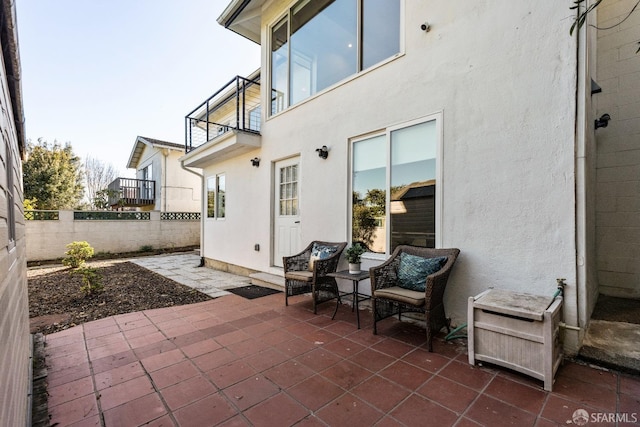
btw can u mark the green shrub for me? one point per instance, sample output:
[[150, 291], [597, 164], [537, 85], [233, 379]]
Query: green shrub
[[91, 280], [146, 248], [77, 253]]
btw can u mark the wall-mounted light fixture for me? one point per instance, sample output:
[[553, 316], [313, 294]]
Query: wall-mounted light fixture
[[603, 121], [323, 152], [255, 162], [425, 27]]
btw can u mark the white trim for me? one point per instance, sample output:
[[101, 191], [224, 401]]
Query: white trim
[[348, 79], [436, 117]]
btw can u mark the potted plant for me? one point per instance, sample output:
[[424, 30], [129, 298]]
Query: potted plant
[[353, 257]]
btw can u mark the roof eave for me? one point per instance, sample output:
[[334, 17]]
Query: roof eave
[[242, 19]]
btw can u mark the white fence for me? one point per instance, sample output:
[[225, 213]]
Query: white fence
[[48, 232]]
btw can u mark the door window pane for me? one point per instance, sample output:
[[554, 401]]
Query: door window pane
[[289, 191], [369, 192], [413, 173], [389, 209]]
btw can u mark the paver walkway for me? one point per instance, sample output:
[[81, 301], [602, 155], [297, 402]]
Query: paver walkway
[[183, 268], [237, 362]]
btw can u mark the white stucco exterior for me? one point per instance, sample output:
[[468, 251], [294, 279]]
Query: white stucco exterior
[[506, 82], [177, 190]]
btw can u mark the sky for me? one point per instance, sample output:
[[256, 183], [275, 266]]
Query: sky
[[99, 73]]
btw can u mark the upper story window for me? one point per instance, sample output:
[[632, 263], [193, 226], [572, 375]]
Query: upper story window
[[320, 42], [147, 172]]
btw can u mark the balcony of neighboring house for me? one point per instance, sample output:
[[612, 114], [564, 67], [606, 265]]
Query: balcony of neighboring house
[[226, 124], [131, 192]]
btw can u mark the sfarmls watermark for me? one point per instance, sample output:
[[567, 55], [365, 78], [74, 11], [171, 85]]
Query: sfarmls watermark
[[581, 417]]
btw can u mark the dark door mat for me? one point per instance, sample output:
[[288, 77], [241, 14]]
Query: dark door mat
[[616, 309], [253, 291]]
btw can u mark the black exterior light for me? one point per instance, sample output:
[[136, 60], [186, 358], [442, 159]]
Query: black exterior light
[[323, 152], [255, 162], [603, 121]]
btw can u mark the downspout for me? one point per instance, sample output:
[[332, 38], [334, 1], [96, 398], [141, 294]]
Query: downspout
[[580, 180], [165, 153], [202, 210]]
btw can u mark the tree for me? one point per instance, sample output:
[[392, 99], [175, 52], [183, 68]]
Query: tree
[[52, 175], [98, 175]]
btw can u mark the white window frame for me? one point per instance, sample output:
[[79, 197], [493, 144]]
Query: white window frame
[[216, 182], [360, 71], [437, 117]]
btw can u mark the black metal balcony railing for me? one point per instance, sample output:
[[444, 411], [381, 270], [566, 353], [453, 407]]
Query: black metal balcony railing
[[132, 192], [235, 106]]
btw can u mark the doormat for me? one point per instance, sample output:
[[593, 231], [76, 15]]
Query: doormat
[[253, 291]]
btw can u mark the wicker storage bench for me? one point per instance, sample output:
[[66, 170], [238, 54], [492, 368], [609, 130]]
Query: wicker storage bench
[[516, 330]]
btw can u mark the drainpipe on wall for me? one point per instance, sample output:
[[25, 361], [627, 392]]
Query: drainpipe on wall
[[165, 154], [202, 207], [580, 165]]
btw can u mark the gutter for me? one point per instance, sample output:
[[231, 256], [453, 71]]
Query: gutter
[[202, 210], [11, 56], [236, 13]]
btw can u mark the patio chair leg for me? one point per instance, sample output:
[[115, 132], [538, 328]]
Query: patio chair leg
[[375, 317]]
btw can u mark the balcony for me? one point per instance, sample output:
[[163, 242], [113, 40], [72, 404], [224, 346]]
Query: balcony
[[227, 124], [130, 192]]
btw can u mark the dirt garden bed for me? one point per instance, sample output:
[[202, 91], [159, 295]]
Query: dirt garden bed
[[57, 303]]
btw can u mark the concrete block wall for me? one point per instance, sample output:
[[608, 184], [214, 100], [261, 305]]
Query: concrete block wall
[[47, 240], [618, 150]]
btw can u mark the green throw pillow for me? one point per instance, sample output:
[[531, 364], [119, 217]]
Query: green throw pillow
[[413, 270]]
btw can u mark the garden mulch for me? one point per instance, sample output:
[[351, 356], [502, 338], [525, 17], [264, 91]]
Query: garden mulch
[[57, 303]]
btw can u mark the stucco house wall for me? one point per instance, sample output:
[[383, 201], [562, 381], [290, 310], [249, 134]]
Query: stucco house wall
[[618, 180], [177, 190], [502, 78], [14, 309]]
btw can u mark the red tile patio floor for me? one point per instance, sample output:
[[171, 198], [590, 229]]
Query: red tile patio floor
[[237, 362]]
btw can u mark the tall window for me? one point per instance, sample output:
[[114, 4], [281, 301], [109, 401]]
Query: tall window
[[11, 204], [146, 187], [221, 196], [394, 188], [321, 42], [216, 195]]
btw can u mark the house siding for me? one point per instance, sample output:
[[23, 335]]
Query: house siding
[[176, 189], [502, 78], [618, 161], [14, 310]]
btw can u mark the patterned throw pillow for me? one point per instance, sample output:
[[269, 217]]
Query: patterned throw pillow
[[413, 270], [320, 252]]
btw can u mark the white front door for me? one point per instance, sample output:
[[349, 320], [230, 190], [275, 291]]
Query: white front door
[[286, 236]]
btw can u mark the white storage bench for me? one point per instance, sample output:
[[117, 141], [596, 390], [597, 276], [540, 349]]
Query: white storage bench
[[516, 330]]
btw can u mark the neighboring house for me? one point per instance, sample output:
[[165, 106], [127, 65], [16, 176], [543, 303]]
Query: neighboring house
[[15, 350], [161, 184], [479, 114]]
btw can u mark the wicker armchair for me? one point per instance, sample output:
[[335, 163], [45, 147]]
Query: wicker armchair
[[388, 298], [299, 279]]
